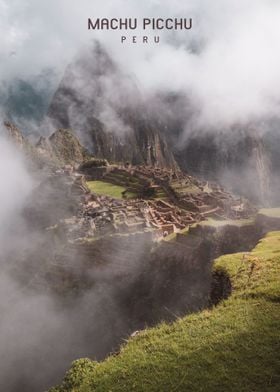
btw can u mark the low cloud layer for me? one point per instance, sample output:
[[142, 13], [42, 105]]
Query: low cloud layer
[[228, 63]]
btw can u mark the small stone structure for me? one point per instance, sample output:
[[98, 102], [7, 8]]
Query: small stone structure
[[184, 201]]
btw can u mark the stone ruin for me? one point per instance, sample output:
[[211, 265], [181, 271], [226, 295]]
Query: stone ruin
[[177, 202]]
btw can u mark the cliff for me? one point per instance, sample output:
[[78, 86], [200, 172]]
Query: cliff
[[215, 347], [63, 148]]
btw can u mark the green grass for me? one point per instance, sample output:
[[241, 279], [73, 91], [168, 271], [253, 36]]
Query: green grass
[[173, 236], [170, 237], [233, 347], [231, 222], [107, 189]]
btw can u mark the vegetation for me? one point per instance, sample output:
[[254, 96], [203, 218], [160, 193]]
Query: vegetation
[[108, 189], [229, 222], [132, 183], [136, 186], [232, 347]]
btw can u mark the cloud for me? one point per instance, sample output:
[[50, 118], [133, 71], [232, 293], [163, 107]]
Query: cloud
[[228, 64], [14, 187], [41, 329]]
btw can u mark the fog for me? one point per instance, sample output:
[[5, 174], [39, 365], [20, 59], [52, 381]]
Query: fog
[[47, 319], [228, 63], [41, 333], [60, 301]]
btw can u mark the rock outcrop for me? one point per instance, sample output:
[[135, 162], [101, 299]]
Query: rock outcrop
[[35, 160], [60, 149], [63, 148]]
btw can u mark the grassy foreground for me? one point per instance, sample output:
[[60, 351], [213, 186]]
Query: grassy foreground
[[233, 347]]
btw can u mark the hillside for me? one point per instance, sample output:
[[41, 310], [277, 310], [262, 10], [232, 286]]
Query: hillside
[[231, 347], [120, 122], [59, 149], [62, 148]]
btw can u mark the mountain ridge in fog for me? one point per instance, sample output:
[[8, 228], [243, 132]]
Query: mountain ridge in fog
[[118, 121]]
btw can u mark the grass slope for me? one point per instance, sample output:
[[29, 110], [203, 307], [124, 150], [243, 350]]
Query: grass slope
[[108, 189], [231, 222], [233, 347]]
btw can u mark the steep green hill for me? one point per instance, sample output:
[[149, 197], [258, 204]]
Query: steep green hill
[[234, 346]]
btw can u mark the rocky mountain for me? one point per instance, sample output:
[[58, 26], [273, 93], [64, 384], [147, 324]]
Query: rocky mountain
[[63, 148], [13, 133], [34, 160], [106, 110], [60, 149]]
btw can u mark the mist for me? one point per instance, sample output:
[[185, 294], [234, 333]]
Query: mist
[[48, 321], [62, 300], [227, 64], [223, 72]]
